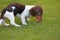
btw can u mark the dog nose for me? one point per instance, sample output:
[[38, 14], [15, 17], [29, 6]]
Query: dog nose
[[38, 18]]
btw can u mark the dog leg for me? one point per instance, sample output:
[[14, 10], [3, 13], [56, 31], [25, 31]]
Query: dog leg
[[1, 21], [10, 16], [23, 20], [5, 24]]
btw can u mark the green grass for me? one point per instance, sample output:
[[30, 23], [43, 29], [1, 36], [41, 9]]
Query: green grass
[[48, 29]]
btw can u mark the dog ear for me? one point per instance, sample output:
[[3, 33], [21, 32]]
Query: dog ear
[[32, 12]]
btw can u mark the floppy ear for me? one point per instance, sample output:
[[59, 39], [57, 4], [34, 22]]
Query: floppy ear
[[32, 12]]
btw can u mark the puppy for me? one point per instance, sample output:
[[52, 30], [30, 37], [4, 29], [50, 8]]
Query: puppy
[[21, 11]]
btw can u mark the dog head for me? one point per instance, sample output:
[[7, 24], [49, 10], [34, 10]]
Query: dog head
[[36, 11]]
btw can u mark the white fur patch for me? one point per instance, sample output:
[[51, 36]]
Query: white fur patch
[[13, 7], [26, 11], [1, 21]]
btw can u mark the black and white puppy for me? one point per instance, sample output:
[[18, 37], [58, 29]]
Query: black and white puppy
[[21, 11]]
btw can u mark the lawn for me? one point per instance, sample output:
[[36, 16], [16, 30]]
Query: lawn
[[48, 29]]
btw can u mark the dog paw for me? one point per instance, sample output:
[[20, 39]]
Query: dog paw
[[6, 24], [25, 24], [18, 25]]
